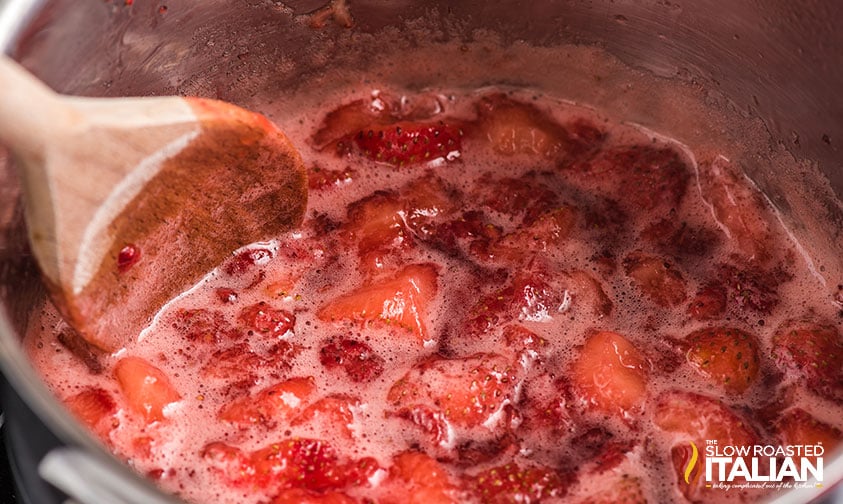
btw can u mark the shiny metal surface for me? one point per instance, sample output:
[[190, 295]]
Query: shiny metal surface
[[776, 60]]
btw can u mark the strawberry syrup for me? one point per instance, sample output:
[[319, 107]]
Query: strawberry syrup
[[542, 242]]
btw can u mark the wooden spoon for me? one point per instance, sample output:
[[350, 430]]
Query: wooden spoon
[[130, 201]]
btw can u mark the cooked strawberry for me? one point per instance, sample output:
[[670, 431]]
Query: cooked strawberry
[[533, 295], [308, 464], [709, 303], [737, 207], [304, 496], [430, 421], [623, 489], [145, 387], [334, 414], [545, 404], [232, 362], [96, 409], [376, 223], [513, 127], [415, 478], [639, 177], [356, 358], [797, 427], [468, 234], [247, 259], [266, 320], [656, 277], [428, 199], [521, 339], [322, 178], [545, 233], [406, 143], [204, 326], [752, 288], [401, 301], [269, 404], [697, 418], [513, 483], [681, 240], [526, 197], [813, 352], [610, 374], [726, 356], [468, 391]]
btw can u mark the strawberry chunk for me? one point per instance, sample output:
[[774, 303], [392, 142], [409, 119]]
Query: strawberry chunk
[[738, 208], [319, 179], [333, 414], [356, 358], [708, 303], [468, 391], [201, 325], [527, 197], [681, 240], [248, 259], [304, 496], [640, 177], [513, 127], [798, 427], [401, 301], [377, 224], [752, 288], [545, 404], [696, 418], [406, 143], [513, 483], [303, 463], [610, 374], [271, 403], [657, 278], [726, 356], [813, 353], [266, 320], [146, 388], [96, 409], [416, 478]]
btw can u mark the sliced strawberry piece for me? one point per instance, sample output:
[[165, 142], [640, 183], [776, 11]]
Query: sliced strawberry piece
[[546, 233], [526, 197], [512, 127], [738, 208], [656, 277], [96, 409], [798, 427], [545, 404], [695, 418], [333, 414], [308, 464], [639, 177], [304, 496], [430, 421], [247, 260], [416, 478], [266, 320], [401, 301], [146, 388], [610, 374], [623, 489], [377, 224], [269, 404], [470, 234], [319, 179], [726, 356], [813, 352], [513, 483], [406, 143], [709, 303], [681, 239], [752, 288], [201, 325], [356, 358], [468, 391]]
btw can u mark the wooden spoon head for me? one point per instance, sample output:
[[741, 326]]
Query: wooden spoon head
[[238, 181]]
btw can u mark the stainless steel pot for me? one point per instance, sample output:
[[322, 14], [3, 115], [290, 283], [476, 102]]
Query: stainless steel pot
[[774, 67]]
